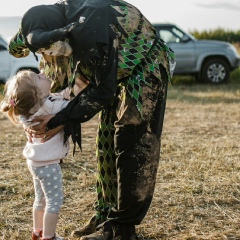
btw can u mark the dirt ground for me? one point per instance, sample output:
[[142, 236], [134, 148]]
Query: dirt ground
[[197, 194]]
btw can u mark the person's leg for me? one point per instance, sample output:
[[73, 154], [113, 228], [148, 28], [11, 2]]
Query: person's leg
[[106, 168], [50, 223], [51, 183], [106, 173], [38, 206], [137, 143], [37, 223], [138, 155]]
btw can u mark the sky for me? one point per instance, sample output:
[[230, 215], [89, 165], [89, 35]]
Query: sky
[[189, 15]]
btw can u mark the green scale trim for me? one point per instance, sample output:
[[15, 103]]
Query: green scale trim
[[17, 46], [150, 65], [106, 169], [138, 57]]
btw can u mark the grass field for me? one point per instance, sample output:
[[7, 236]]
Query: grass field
[[197, 193]]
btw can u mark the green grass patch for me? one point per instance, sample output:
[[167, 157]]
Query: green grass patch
[[1, 91], [235, 76], [205, 93]]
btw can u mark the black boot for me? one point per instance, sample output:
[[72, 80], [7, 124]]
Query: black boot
[[104, 232], [113, 231], [124, 232], [87, 229]]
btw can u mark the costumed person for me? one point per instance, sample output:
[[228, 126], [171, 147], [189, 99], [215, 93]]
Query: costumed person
[[117, 50], [26, 96]]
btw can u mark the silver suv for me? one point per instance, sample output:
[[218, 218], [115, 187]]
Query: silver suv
[[10, 65], [209, 60]]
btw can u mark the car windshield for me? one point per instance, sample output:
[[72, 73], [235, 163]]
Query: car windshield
[[174, 34]]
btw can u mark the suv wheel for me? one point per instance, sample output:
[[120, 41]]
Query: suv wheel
[[215, 71]]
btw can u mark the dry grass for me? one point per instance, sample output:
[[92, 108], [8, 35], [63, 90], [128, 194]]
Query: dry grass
[[197, 193]]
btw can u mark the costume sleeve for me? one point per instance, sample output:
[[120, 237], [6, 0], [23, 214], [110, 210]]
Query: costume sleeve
[[41, 39], [95, 96], [36, 39], [65, 93]]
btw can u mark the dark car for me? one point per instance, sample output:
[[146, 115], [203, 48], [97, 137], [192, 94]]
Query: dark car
[[209, 60]]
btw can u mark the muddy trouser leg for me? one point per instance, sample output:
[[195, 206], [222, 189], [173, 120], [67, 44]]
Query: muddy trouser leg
[[106, 166], [137, 149], [106, 174]]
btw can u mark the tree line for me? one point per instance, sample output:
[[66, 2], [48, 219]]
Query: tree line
[[218, 34]]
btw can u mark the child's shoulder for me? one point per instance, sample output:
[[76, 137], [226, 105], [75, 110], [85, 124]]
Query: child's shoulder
[[64, 94], [56, 98], [53, 104]]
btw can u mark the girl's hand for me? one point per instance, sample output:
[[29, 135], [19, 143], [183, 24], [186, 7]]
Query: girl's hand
[[40, 130], [51, 133], [28, 135]]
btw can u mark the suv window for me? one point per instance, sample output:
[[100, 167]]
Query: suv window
[[171, 35]]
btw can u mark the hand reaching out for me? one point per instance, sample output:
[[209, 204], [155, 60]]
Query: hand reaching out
[[40, 130]]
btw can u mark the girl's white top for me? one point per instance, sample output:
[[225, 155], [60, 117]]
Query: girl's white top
[[52, 151]]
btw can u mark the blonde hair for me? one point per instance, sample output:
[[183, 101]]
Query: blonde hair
[[20, 96]]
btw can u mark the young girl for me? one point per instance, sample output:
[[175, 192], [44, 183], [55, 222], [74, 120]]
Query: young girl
[[28, 95]]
